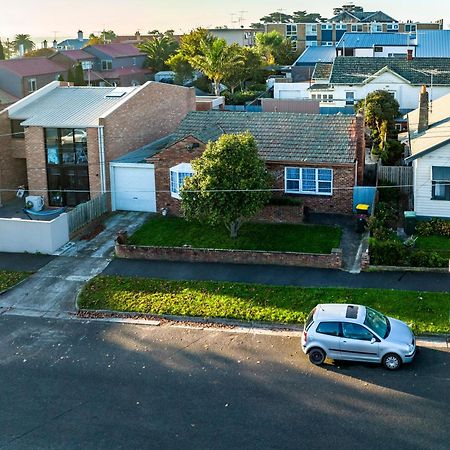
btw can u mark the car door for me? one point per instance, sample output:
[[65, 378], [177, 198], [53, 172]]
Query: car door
[[358, 343], [328, 335]]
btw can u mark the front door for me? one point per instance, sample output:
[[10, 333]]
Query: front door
[[357, 343]]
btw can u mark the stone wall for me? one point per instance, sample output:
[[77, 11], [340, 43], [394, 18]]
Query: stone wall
[[187, 254]]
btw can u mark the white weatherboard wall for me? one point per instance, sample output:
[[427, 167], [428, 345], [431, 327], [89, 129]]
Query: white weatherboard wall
[[33, 236], [387, 51], [423, 205], [133, 187], [283, 91]]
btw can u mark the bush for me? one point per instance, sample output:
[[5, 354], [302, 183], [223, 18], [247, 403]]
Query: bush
[[388, 193], [437, 227], [387, 253], [427, 259], [241, 97], [392, 152]]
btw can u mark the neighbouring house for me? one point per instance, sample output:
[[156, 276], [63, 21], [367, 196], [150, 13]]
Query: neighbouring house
[[70, 58], [22, 76], [303, 67], [317, 158], [429, 153], [72, 44], [58, 141], [245, 37]]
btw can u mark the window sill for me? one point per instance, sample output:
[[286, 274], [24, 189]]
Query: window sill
[[319, 194], [175, 195]]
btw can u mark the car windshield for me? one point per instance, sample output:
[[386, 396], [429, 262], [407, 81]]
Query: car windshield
[[377, 322]]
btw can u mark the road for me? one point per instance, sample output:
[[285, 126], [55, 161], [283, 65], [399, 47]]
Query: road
[[71, 384]]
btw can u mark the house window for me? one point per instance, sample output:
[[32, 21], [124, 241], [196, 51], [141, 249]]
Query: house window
[[134, 61], [357, 28], [17, 130], [311, 43], [177, 177], [376, 28], [440, 183], [106, 64], [410, 28], [291, 30], [392, 27], [327, 43], [32, 85], [341, 26], [378, 49], [311, 29], [327, 26], [350, 98], [308, 181]]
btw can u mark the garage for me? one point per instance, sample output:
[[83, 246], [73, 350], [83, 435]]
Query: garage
[[133, 187]]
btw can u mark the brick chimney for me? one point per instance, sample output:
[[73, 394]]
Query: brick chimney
[[423, 110], [410, 56]]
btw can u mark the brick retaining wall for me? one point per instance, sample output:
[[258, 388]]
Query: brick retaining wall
[[291, 214], [187, 254]]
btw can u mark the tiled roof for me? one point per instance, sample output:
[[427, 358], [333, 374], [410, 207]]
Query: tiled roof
[[354, 70], [313, 55], [147, 151], [322, 71], [7, 98], [31, 66], [117, 50], [280, 136], [76, 55], [433, 44], [365, 16], [117, 73], [70, 107], [369, 40]]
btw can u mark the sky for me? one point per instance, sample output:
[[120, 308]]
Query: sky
[[63, 18]]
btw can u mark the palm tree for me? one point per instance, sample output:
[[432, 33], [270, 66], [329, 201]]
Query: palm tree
[[215, 60], [25, 40], [158, 51]]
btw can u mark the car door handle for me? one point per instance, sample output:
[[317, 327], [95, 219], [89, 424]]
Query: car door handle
[[344, 342]]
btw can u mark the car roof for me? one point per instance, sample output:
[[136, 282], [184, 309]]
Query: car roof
[[341, 311]]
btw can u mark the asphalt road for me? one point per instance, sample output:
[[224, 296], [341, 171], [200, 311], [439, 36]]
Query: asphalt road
[[80, 385]]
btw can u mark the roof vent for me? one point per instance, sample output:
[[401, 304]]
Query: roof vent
[[352, 312], [116, 93]]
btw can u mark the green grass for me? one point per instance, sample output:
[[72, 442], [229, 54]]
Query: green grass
[[424, 312], [176, 232], [9, 279], [439, 244]]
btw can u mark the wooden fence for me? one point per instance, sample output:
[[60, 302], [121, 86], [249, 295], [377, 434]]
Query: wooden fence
[[397, 175], [87, 212]]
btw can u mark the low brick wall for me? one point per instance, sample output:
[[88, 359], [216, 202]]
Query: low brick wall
[[292, 214], [187, 254]]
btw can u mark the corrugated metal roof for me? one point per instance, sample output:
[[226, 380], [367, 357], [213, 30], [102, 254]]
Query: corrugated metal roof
[[313, 55], [369, 40], [70, 107], [433, 44], [147, 151]]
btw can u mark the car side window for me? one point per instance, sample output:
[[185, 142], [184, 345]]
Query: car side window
[[355, 331], [329, 328]]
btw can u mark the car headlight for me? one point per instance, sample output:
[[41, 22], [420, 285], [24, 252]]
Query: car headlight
[[410, 348]]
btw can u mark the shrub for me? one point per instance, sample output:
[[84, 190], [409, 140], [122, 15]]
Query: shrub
[[392, 152], [387, 253], [240, 97], [437, 227], [427, 259], [388, 193]]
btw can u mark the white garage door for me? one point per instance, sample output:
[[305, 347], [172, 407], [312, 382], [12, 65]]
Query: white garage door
[[290, 95], [133, 187]]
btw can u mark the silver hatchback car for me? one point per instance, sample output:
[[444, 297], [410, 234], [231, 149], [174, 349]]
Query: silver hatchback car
[[357, 333]]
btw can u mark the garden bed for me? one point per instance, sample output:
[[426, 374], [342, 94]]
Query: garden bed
[[176, 232], [424, 312], [10, 279]]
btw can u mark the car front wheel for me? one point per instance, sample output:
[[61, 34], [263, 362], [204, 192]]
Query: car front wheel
[[391, 361], [317, 356]]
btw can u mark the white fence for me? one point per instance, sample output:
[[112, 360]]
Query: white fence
[[397, 175], [87, 212], [33, 236]]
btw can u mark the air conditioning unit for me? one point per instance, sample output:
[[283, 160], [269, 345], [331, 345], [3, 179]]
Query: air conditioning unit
[[34, 203]]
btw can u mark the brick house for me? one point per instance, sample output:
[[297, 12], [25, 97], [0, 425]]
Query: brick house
[[59, 140], [317, 158]]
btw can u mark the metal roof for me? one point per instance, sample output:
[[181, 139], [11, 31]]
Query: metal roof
[[433, 44], [70, 107], [369, 40], [313, 55]]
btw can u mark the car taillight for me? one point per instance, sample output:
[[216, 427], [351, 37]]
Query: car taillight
[[305, 336]]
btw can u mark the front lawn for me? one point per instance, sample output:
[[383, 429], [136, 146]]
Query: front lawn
[[439, 244], [424, 312], [176, 232], [10, 279]]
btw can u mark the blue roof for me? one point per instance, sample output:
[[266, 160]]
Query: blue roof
[[313, 55], [74, 44], [369, 40], [433, 44]]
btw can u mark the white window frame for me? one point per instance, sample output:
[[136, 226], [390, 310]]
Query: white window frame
[[311, 44], [410, 27], [341, 26], [183, 170], [106, 65], [392, 27], [32, 85], [376, 27], [291, 29], [311, 29], [347, 98], [326, 26], [327, 43], [357, 28], [300, 181]]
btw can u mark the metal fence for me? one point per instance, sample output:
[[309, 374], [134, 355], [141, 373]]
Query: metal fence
[[398, 176], [87, 212]]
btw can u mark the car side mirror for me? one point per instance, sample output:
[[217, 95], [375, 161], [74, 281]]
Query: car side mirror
[[373, 340]]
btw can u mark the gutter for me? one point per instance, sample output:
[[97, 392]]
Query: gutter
[[101, 156]]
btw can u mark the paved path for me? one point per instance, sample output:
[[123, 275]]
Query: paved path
[[90, 385], [277, 275]]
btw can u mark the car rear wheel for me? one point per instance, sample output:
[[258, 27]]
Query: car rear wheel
[[317, 356], [391, 361]]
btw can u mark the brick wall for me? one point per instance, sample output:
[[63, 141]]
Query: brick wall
[[331, 261], [12, 160], [36, 162], [41, 80], [292, 214]]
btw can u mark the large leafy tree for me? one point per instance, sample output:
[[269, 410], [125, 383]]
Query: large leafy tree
[[349, 7], [25, 40], [230, 183], [249, 69], [276, 17], [158, 50], [274, 48], [305, 17], [215, 60]]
